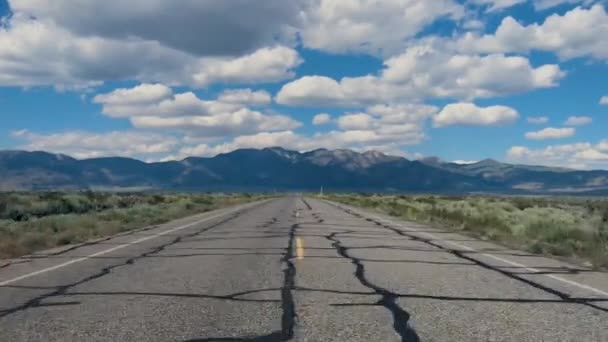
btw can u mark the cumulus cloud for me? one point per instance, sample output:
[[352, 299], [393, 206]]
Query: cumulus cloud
[[382, 127], [472, 115], [578, 121], [321, 119], [88, 43], [551, 133], [157, 107], [85, 44], [428, 69], [285, 139], [396, 125], [355, 140], [38, 52], [604, 100], [376, 27], [245, 97], [546, 4], [464, 162], [497, 5], [538, 120], [81, 144], [126, 103], [269, 64], [205, 122], [143, 94], [359, 121], [243, 121], [228, 28], [579, 32], [582, 155]]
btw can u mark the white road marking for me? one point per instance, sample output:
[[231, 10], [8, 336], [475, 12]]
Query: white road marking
[[516, 264], [113, 249], [491, 256]]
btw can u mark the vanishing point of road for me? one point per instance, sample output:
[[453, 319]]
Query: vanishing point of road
[[298, 269]]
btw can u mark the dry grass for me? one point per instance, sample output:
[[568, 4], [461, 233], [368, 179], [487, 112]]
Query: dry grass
[[553, 226], [31, 222]]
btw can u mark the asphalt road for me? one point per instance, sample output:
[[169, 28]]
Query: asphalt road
[[302, 270]]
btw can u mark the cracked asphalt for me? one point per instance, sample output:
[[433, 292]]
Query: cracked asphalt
[[298, 269]]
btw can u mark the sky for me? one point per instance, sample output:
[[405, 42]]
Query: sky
[[521, 81]]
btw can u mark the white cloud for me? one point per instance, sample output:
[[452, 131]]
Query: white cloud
[[538, 120], [125, 102], [152, 146], [497, 5], [376, 27], [321, 119], [80, 144], [199, 28], [382, 127], [204, 122], [472, 115], [403, 113], [38, 52], [186, 112], [264, 65], [402, 124], [604, 100], [84, 44], [546, 4], [465, 162], [602, 146], [313, 91], [578, 121], [551, 133], [473, 24], [246, 97], [143, 94], [356, 140], [582, 155], [592, 154], [285, 139], [429, 69], [243, 121], [579, 32], [359, 121]]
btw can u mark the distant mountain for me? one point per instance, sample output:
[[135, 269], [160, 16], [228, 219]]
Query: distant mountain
[[531, 178], [284, 170]]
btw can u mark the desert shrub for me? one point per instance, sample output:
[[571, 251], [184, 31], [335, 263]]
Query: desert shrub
[[524, 203], [556, 226], [34, 221], [156, 199]]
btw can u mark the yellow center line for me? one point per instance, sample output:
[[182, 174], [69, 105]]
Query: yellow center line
[[299, 249]]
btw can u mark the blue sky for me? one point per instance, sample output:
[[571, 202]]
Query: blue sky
[[456, 79]]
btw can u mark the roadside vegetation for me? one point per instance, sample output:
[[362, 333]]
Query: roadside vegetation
[[568, 227], [31, 222]]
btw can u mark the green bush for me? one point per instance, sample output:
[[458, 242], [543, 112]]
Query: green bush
[[35, 221], [552, 225]]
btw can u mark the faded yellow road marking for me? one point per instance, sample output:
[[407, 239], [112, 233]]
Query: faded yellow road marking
[[299, 248]]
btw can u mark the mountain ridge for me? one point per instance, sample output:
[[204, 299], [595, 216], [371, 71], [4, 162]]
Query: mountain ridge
[[277, 168]]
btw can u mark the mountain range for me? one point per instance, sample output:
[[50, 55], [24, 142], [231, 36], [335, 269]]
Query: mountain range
[[278, 169]]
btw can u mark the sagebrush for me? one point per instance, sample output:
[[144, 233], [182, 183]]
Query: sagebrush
[[31, 222], [571, 227]]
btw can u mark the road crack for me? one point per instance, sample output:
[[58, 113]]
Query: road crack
[[289, 316], [463, 255], [388, 299], [63, 289]]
